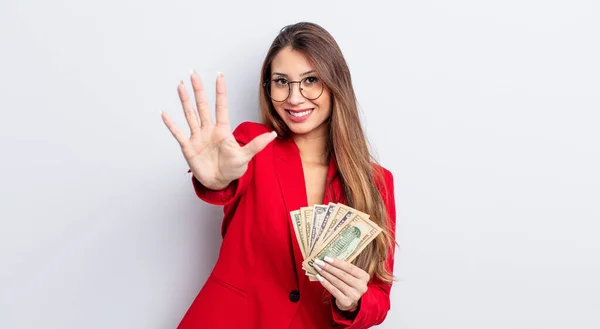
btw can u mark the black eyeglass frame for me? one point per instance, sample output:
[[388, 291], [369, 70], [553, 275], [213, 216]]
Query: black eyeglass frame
[[289, 83]]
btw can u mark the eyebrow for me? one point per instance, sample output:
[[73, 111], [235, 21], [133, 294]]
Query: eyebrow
[[285, 75]]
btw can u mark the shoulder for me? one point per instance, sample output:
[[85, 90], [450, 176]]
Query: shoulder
[[384, 180], [383, 177], [246, 131], [385, 183]]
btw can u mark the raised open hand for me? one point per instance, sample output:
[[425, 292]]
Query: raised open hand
[[212, 153]]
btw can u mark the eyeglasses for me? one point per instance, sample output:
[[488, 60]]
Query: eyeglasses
[[279, 89]]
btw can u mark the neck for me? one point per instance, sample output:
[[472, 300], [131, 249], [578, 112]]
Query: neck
[[313, 147]]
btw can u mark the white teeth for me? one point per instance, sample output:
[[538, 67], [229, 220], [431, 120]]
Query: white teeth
[[300, 114]]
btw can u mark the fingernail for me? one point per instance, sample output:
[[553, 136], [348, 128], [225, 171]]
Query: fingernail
[[328, 259], [274, 133], [220, 74], [320, 278], [319, 262], [180, 82], [317, 267]]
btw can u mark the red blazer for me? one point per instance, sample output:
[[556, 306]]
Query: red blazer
[[258, 281]]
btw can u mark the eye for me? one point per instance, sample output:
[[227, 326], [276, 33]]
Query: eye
[[311, 80], [280, 82]]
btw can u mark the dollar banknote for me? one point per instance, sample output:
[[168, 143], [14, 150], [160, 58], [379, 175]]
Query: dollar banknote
[[346, 242], [298, 229], [334, 230], [318, 218], [306, 215], [339, 218]]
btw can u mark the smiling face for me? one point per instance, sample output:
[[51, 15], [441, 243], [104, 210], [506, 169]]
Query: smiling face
[[301, 115]]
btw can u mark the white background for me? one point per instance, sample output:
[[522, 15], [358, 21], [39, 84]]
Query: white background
[[487, 113]]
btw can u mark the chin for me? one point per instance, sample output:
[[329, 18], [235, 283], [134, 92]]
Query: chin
[[300, 129], [304, 128]]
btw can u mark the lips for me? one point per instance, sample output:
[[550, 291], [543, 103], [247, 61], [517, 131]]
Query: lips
[[299, 115]]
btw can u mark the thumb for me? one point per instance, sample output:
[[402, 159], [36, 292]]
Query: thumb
[[259, 143]]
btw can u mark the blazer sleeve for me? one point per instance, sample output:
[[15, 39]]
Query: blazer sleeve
[[244, 133], [375, 302]]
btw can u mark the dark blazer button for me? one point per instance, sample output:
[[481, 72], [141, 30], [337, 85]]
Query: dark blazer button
[[295, 296]]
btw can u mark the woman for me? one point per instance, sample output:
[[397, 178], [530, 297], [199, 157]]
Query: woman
[[310, 149]]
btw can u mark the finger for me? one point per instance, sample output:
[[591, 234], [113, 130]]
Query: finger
[[258, 144], [179, 136], [188, 108], [346, 289], [335, 292], [201, 101], [221, 103], [340, 274], [348, 267]]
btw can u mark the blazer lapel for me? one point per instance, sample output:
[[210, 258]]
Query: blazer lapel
[[288, 168]]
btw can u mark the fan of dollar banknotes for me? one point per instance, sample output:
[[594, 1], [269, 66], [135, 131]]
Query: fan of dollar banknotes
[[333, 230]]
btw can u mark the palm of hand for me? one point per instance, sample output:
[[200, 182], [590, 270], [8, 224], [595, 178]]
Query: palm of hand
[[212, 153]]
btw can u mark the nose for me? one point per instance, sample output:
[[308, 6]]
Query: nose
[[295, 95]]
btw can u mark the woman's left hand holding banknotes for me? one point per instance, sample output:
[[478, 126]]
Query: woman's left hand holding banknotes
[[345, 281]]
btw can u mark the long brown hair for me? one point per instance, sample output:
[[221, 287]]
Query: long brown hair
[[356, 166]]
